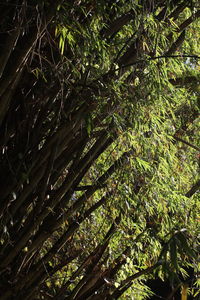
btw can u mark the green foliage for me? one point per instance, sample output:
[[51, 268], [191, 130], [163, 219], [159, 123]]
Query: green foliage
[[100, 150]]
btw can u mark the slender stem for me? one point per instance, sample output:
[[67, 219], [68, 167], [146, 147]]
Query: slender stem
[[185, 142]]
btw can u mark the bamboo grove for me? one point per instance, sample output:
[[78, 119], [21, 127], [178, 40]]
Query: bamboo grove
[[99, 176]]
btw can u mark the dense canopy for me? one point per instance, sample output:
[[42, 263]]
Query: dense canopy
[[100, 149]]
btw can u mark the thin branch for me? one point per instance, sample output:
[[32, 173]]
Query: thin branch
[[185, 142], [85, 187], [185, 80], [187, 22], [159, 57], [129, 281], [193, 189]]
